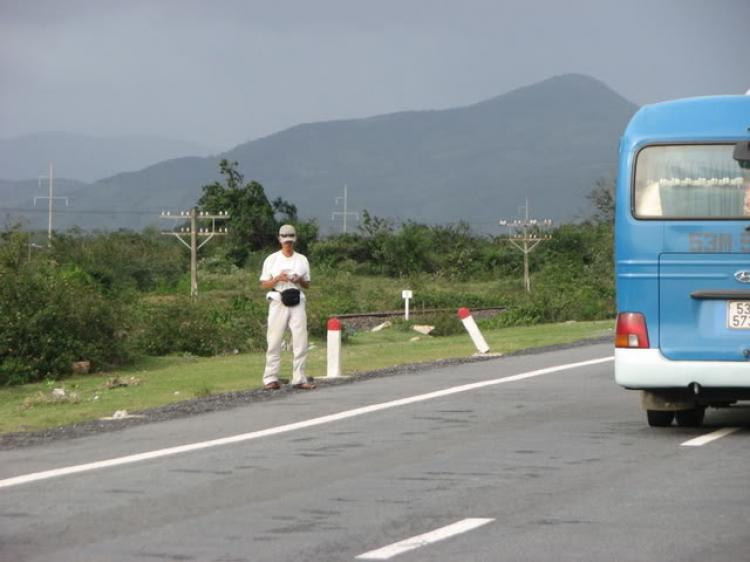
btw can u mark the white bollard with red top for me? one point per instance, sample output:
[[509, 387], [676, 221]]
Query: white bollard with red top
[[473, 329], [334, 349]]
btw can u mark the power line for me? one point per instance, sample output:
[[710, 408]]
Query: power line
[[79, 211], [71, 210]]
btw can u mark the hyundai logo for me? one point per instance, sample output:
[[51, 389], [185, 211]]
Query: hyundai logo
[[742, 276]]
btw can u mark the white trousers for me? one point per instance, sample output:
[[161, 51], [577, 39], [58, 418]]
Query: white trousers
[[279, 317]]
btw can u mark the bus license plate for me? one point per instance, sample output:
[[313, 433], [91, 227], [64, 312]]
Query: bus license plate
[[738, 315]]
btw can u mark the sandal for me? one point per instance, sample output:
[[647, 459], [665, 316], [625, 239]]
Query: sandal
[[272, 386]]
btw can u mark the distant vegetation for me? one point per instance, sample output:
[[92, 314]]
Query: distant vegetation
[[107, 297]]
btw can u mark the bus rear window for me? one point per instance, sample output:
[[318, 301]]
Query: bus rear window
[[691, 182]]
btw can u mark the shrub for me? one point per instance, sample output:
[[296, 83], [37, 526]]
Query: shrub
[[339, 298], [559, 299], [123, 260], [205, 328], [446, 298], [52, 319], [446, 324]]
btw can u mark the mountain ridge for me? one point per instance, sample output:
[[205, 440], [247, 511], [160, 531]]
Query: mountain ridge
[[87, 158], [549, 141]]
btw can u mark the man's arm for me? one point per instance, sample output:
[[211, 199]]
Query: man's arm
[[304, 281]]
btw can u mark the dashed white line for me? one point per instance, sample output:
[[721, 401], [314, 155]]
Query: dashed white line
[[400, 547], [702, 440], [34, 477]]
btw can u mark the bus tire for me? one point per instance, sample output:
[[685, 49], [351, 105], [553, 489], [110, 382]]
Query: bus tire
[[659, 418], [690, 418]]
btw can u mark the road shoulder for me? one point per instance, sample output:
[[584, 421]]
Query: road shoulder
[[231, 400]]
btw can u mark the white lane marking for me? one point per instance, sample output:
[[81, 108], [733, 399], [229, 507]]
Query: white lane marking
[[698, 441], [423, 540], [25, 479]]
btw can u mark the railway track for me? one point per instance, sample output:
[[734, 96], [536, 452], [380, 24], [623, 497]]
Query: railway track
[[364, 321]]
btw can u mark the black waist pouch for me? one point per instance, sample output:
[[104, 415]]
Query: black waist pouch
[[290, 297]]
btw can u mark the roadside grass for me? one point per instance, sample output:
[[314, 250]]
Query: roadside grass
[[156, 381]]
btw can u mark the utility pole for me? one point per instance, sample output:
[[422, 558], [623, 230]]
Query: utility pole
[[194, 231], [49, 198], [521, 238], [345, 213]]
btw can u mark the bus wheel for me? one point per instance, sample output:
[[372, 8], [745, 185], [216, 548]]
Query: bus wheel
[[659, 418], [690, 418]]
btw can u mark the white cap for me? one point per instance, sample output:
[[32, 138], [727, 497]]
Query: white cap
[[288, 230]]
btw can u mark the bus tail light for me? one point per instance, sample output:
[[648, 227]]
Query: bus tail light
[[631, 330]]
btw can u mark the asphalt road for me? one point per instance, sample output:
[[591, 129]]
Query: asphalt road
[[559, 466]]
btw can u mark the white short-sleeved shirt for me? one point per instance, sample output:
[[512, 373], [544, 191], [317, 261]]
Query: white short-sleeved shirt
[[278, 263]]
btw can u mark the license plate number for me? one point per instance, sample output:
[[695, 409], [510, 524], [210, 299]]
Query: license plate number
[[738, 315]]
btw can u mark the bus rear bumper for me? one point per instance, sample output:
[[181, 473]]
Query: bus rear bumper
[[642, 369]]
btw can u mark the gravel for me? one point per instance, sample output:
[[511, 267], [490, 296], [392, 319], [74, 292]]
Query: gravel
[[229, 400]]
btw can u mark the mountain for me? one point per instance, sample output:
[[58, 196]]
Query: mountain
[[21, 195], [86, 158], [549, 142]]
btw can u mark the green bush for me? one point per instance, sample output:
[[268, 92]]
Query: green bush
[[561, 294], [52, 319], [338, 298], [381, 248], [123, 260], [427, 298], [446, 324], [205, 328]]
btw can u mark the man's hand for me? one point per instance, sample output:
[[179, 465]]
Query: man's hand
[[265, 285]]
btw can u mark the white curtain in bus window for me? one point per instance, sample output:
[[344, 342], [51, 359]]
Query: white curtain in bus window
[[690, 181]]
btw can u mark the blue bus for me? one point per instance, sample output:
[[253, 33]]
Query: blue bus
[[682, 253]]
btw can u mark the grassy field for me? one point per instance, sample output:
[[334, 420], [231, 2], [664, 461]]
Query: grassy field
[[366, 292], [158, 381]]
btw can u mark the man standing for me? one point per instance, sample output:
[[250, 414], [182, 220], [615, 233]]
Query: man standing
[[284, 273]]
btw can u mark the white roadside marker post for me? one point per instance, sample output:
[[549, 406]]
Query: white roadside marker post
[[406, 295], [334, 349], [473, 329]]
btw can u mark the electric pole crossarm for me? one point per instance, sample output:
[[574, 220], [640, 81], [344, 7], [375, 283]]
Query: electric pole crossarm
[[517, 245], [535, 243], [346, 211], [335, 213], [525, 241], [206, 240], [42, 197], [176, 235], [187, 217], [194, 216], [50, 198]]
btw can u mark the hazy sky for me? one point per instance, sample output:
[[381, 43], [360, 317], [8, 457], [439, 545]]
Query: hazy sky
[[222, 72]]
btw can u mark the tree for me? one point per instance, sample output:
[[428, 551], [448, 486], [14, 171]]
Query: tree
[[602, 199], [14, 247], [252, 224], [373, 225]]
